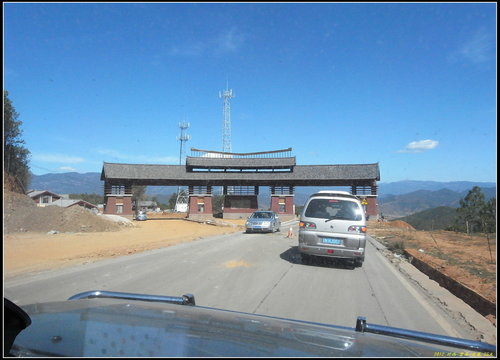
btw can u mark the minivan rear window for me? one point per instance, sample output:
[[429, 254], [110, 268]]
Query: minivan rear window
[[340, 210]]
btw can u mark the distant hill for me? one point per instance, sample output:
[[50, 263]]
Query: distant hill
[[68, 183], [87, 183], [438, 218], [395, 206], [395, 199], [409, 186], [387, 190]]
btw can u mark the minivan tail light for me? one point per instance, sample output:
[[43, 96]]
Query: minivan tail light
[[358, 229], [307, 225]]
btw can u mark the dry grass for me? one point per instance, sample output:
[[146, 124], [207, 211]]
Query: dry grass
[[471, 260]]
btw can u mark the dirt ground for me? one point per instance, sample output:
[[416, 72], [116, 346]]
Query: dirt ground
[[41, 238], [470, 260], [33, 251], [21, 214]]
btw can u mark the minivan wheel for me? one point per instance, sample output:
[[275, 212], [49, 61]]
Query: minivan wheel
[[358, 262]]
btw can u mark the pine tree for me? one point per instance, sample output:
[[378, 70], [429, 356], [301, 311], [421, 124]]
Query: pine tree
[[489, 215], [172, 201], [15, 156], [472, 211], [138, 194]]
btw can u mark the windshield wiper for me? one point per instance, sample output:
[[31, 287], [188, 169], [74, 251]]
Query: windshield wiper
[[341, 218]]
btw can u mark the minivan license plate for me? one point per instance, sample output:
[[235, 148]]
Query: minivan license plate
[[331, 241]]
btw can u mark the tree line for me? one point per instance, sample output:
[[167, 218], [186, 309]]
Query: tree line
[[15, 154], [475, 214]]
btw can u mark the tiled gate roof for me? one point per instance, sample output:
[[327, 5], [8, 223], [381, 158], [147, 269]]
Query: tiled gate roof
[[300, 175]]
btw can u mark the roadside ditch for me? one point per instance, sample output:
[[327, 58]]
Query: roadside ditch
[[475, 300]]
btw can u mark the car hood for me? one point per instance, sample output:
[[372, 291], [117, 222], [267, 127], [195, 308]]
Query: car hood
[[256, 221], [111, 327]]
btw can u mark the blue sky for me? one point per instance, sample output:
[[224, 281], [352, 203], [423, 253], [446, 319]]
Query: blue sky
[[411, 86]]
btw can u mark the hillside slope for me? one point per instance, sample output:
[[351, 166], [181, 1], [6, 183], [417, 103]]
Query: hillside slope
[[397, 206], [21, 215], [438, 218]]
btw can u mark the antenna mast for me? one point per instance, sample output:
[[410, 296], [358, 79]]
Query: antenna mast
[[226, 122], [181, 203], [182, 138]]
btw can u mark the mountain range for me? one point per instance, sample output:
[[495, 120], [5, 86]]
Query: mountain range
[[393, 206], [396, 199]]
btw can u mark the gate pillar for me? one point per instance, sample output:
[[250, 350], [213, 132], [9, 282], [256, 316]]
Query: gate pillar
[[282, 200], [200, 202]]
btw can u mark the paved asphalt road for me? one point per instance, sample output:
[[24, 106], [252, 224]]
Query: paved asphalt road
[[254, 273]]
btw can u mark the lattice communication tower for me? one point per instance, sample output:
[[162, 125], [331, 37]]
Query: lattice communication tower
[[226, 95], [182, 138]]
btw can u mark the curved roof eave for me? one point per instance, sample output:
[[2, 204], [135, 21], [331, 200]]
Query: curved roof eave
[[301, 174]]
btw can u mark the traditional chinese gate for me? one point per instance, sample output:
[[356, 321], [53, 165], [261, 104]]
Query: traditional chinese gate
[[240, 175]]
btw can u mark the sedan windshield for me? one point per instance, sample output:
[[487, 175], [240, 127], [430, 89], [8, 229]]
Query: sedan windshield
[[261, 215]]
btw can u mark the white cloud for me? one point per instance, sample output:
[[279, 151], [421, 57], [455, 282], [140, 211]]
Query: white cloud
[[420, 146], [57, 158], [229, 41], [226, 42], [476, 49], [193, 49], [67, 168], [113, 155]]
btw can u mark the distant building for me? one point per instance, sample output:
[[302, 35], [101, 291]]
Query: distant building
[[146, 205], [47, 198], [43, 197], [66, 203]]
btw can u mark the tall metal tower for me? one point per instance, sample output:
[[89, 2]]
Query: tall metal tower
[[182, 138], [181, 203], [226, 122]]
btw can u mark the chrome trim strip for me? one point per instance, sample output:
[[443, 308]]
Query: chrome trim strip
[[362, 326], [187, 299]]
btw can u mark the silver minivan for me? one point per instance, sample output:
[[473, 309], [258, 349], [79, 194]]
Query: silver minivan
[[333, 224]]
